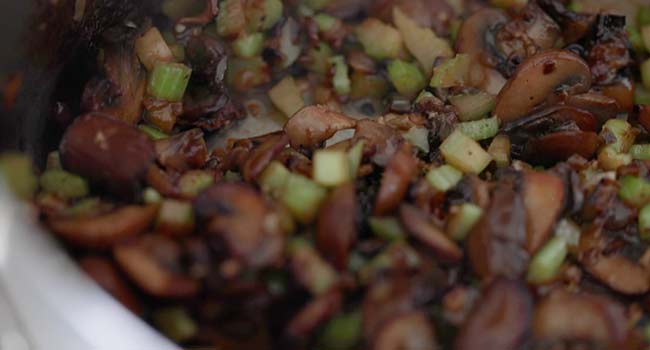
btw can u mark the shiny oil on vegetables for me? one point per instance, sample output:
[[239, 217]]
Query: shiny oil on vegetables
[[390, 174]]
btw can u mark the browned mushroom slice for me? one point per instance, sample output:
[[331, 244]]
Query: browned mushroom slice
[[262, 155], [623, 92], [239, 215], [476, 34], [583, 317], [408, 331], [151, 262], [103, 271], [337, 225], [313, 125], [617, 272], [561, 145], [105, 230], [600, 105], [315, 313], [183, 151], [537, 78], [496, 244], [417, 223], [395, 180], [380, 141], [543, 198], [500, 319], [108, 152]]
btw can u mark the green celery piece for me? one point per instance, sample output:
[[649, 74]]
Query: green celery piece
[[444, 178], [231, 19], [325, 22], [643, 16], [355, 156], [342, 332], [636, 40], [319, 58], [175, 217], [575, 6], [261, 18], [418, 137], [168, 81], [249, 46], [175, 323], [341, 79], [569, 231], [480, 129], [473, 106], [453, 72], [151, 196], [17, 171], [274, 178], [388, 228], [644, 223], [303, 197], [152, 132], [464, 153], [64, 184], [622, 132], [406, 77], [331, 168], [634, 190], [641, 152], [546, 263], [193, 182], [463, 220], [380, 40]]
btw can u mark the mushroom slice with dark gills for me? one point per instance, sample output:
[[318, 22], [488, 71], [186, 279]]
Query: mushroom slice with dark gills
[[108, 152], [500, 319], [543, 194], [537, 79], [396, 179], [313, 125], [154, 264], [183, 151], [240, 216], [422, 229]]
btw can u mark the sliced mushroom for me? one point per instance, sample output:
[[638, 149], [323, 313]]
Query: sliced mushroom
[[600, 105], [561, 145], [380, 141], [262, 155], [544, 199], [587, 317], [107, 229], [239, 215], [618, 272], [336, 226], [411, 330], [104, 272], [500, 319], [417, 223], [537, 78], [623, 92], [313, 125], [152, 263], [476, 34], [183, 151], [315, 313], [108, 152], [395, 180]]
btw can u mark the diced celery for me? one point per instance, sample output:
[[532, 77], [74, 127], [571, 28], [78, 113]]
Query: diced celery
[[643, 16], [575, 6], [645, 73], [232, 176], [546, 263], [341, 79], [303, 197], [453, 72], [418, 137], [175, 323], [152, 132], [473, 106], [151, 48], [609, 159], [175, 217], [644, 223], [286, 96], [424, 96], [368, 85], [462, 220], [454, 27], [151, 196], [388, 228], [325, 22], [406, 77], [634, 190], [342, 332], [499, 150], [274, 179], [641, 152], [249, 45], [231, 20], [422, 42], [379, 39], [641, 95], [569, 231], [464, 153], [480, 129], [623, 133], [265, 16], [17, 171], [331, 168], [355, 156], [193, 182], [319, 58], [168, 81], [64, 184], [444, 178]]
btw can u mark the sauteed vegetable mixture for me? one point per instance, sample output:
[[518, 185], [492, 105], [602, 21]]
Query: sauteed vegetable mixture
[[358, 174]]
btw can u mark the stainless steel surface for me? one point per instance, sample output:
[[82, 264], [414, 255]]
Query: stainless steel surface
[[46, 302]]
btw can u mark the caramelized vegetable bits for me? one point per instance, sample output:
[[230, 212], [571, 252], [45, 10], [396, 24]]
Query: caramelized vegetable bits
[[426, 174]]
